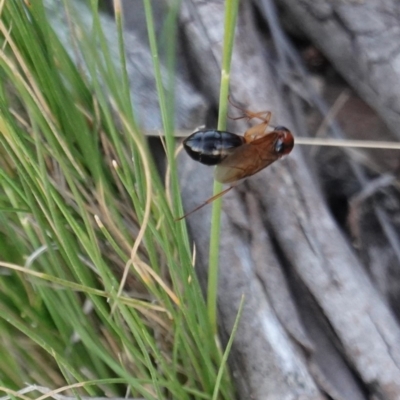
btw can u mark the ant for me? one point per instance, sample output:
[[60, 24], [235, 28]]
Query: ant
[[237, 157]]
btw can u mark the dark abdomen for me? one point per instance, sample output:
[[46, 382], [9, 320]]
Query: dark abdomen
[[210, 146]]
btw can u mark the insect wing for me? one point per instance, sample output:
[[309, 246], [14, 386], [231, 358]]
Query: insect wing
[[248, 159]]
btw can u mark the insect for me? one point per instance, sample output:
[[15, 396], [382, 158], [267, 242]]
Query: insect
[[237, 157]]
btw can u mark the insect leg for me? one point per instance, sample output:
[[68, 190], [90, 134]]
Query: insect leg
[[265, 116], [256, 132], [208, 201]]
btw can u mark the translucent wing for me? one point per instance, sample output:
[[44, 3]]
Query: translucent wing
[[248, 159]]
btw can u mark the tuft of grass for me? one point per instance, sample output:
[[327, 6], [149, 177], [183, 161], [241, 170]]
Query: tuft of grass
[[99, 292]]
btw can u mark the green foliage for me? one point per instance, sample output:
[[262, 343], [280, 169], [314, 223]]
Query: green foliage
[[97, 279]]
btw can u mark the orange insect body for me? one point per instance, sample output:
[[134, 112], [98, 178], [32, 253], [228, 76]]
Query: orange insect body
[[255, 155], [237, 157]]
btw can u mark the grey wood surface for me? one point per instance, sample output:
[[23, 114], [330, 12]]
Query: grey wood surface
[[278, 222], [361, 38]]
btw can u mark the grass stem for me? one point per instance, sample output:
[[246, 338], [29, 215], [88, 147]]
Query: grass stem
[[231, 10]]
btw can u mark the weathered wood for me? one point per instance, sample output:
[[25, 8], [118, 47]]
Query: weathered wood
[[306, 240], [361, 39], [312, 322], [190, 108], [266, 364]]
